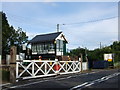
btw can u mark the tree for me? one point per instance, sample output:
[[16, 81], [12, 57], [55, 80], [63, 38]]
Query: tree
[[116, 50], [11, 37], [0, 33], [77, 52], [98, 54], [21, 39], [6, 30]]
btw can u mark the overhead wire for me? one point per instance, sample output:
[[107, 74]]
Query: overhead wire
[[21, 19], [90, 21]]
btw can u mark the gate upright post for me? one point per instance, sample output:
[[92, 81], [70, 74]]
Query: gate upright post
[[73, 66], [33, 69], [81, 63], [45, 68], [17, 69], [13, 64], [80, 60]]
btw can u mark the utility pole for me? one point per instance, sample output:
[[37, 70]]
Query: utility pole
[[58, 27], [100, 45]]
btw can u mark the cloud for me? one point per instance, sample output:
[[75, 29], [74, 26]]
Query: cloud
[[44, 20], [90, 13], [87, 34], [53, 4], [60, 0], [31, 35], [91, 34]]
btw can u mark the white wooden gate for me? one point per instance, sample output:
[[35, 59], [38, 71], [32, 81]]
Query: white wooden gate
[[26, 69]]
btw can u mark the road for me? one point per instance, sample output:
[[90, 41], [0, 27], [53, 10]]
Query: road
[[98, 79]]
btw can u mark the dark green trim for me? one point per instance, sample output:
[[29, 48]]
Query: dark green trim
[[64, 48]]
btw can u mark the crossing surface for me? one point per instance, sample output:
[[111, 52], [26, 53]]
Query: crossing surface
[[95, 79]]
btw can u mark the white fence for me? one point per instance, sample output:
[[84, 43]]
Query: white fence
[[84, 66], [26, 69], [21, 56]]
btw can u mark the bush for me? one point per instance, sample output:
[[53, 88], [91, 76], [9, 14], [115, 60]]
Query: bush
[[5, 75]]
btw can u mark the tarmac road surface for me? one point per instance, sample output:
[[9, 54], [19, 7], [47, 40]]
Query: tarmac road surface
[[98, 79]]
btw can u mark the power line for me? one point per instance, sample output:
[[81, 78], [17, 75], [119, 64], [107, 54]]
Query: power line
[[20, 19], [93, 20]]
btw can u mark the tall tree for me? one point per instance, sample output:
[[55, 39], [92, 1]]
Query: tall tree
[[21, 39], [11, 37], [77, 52], [98, 54], [0, 33], [5, 35]]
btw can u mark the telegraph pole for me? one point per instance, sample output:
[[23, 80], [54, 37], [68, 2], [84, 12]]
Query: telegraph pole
[[100, 45], [58, 27]]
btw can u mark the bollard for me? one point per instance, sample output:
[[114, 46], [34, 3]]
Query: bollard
[[56, 67], [40, 58]]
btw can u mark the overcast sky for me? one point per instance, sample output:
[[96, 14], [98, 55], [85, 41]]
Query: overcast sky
[[41, 17]]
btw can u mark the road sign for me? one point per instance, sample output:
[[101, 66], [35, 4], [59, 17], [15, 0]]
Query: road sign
[[108, 57]]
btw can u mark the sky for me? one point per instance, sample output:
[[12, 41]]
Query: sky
[[42, 17]]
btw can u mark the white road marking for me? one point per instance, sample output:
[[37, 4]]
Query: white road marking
[[60, 78], [4, 84], [28, 84], [79, 85], [53, 78], [69, 77], [86, 84], [89, 84]]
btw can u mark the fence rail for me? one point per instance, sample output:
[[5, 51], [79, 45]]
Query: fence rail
[[26, 69]]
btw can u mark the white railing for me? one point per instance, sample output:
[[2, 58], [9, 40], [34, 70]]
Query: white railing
[[84, 66], [26, 69]]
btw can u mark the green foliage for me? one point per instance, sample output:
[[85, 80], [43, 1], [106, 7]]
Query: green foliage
[[98, 54], [5, 75], [116, 50], [0, 33], [11, 37], [77, 52]]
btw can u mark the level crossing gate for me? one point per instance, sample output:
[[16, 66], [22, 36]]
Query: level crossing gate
[[26, 69]]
